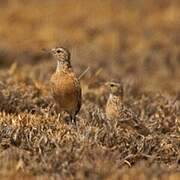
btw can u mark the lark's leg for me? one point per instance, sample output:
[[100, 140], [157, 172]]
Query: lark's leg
[[59, 116], [73, 119]]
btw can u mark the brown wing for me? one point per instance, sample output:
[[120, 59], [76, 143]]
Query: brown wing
[[79, 92], [127, 116]]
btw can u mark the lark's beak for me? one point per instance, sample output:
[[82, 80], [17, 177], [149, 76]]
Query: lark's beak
[[45, 50], [106, 84], [53, 50]]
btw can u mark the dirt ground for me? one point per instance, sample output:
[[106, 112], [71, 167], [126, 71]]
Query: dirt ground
[[135, 42]]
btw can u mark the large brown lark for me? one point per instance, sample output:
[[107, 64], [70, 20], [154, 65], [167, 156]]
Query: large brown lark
[[116, 110], [66, 88]]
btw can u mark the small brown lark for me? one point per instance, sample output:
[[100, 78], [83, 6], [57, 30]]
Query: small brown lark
[[66, 88], [116, 110]]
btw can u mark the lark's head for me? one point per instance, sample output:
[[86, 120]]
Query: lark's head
[[115, 88], [61, 54]]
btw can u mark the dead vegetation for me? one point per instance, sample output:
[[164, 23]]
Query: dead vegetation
[[135, 42]]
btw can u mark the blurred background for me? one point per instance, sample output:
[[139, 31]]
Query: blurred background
[[137, 41]]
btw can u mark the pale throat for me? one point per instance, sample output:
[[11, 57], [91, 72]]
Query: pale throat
[[63, 65], [117, 98]]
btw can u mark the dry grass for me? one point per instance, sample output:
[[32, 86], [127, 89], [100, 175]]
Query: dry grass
[[137, 42]]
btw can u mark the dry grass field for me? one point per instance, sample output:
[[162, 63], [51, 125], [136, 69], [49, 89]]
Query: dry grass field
[[136, 42]]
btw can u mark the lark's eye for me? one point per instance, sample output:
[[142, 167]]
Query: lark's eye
[[112, 85], [58, 51]]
